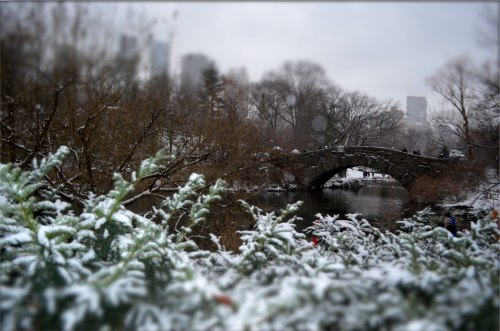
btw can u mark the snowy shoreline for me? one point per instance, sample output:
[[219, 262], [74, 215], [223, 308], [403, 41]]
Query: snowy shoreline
[[354, 179]]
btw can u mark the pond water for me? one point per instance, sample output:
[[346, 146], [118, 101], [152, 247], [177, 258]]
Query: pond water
[[380, 204]]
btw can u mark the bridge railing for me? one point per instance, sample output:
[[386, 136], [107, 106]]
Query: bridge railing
[[351, 149]]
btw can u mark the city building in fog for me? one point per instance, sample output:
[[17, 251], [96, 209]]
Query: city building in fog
[[238, 76], [417, 130], [128, 48], [128, 56], [159, 58], [416, 110], [192, 68]]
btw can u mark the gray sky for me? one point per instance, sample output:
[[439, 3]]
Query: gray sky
[[385, 49]]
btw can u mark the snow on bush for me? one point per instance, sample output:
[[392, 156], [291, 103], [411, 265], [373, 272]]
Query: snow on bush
[[109, 268]]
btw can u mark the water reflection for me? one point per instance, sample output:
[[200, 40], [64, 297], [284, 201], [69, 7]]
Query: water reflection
[[382, 205]]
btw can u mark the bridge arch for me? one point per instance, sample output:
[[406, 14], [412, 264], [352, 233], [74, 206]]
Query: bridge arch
[[318, 182], [312, 169]]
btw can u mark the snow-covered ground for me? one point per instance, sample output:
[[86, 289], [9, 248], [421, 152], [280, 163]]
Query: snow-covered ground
[[485, 197], [355, 175]]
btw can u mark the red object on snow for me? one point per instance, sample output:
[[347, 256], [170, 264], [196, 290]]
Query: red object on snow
[[315, 240], [223, 299]]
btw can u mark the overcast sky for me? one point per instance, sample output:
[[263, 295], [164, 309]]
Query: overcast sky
[[385, 49]]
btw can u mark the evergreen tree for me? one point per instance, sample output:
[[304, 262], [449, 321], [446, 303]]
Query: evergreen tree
[[212, 100], [110, 268]]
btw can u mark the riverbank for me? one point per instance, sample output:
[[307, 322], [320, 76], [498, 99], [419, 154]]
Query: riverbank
[[484, 197]]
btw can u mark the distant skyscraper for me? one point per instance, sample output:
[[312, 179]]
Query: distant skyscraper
[[416, 110], [128, 48], [192, 67], [159, 58], [239, 76], [128, 56], [417, 127]]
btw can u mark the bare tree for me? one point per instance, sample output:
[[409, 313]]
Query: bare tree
[[488, 32], [454, 83], [471, 95], [107, 117], [350, 118], [267, 99], [488, 81], [308, 85], [357, 119]]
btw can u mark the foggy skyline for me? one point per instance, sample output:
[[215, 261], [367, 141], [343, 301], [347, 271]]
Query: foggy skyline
[[386, 49]]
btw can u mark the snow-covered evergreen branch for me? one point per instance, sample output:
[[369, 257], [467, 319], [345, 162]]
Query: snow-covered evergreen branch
[[108, 267]]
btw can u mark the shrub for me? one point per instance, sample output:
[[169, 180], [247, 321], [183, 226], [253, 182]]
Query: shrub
[[109, 268], [431, 190]]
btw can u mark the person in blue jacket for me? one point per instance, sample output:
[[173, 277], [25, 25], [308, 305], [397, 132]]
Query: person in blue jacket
[[450, 223]]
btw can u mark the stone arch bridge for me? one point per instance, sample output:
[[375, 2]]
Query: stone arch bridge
[[312, 169]]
